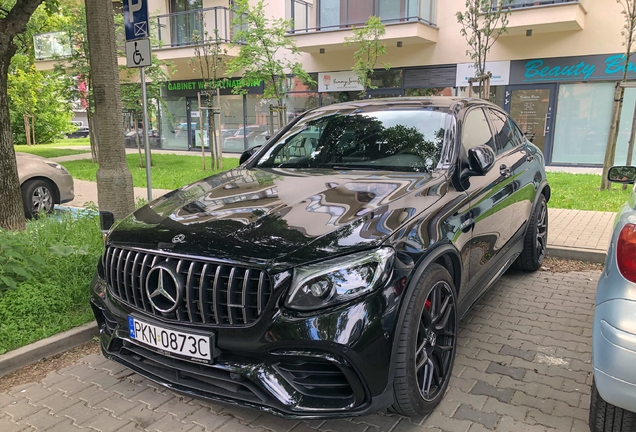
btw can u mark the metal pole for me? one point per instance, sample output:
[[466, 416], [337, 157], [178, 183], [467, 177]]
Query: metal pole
[[146, 141]]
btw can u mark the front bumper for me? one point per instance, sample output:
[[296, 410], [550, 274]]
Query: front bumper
[[614, 352], [66, 188], [332, 364]]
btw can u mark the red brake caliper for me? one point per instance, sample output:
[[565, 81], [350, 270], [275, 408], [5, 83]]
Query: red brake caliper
[[427, 305]]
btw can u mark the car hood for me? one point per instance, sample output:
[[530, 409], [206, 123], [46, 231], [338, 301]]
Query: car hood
[[29, 157], [280, 218]]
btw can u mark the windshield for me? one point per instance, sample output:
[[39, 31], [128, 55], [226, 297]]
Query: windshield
[[393, 140]]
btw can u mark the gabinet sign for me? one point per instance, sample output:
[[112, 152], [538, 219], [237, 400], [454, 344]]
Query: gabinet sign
[[338, 81], [500, 73]]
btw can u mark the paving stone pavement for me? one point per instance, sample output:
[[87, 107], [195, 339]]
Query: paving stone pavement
[[523, 364]]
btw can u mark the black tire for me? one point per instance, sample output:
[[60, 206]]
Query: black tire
[[535, 241], [605, 417], [37, 197], [431, 309]]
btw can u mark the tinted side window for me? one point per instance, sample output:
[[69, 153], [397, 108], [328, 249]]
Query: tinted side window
[[503, 131], [519, 137], [476, 131]]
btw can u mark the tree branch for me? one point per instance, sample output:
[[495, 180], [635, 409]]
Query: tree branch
[[16, 20]]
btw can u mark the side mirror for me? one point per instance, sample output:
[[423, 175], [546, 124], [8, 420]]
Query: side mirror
[[248, 154], [481, 159], [106, 220], [622, 174]]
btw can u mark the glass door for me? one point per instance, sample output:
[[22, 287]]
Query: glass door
[[196, 118], [533, 107]]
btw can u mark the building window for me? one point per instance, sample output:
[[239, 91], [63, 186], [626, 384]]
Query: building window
[[186, 21]]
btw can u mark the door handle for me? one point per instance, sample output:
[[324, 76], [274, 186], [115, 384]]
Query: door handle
[[467, 225], [504, 171]]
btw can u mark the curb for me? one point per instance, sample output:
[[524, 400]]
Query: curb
[[32, 353], [578, 254]]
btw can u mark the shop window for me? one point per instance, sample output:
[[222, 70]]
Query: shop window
[[337, 97], [582, 123], [387, 78], [436, 91]]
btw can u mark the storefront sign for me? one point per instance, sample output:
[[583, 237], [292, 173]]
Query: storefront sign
[[191, 87], [500, 73], [582, 68], [338, 81]]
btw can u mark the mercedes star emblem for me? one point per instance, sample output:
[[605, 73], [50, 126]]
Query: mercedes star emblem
[[163, 288], [178, 239]]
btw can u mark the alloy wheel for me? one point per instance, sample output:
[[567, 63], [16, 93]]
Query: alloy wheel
[[542, 232], [42, 200], [435, 341]]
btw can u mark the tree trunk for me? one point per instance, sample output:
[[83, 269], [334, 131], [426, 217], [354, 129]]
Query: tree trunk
[[92, 134], [11, 209], [610, 151], [114, 180]]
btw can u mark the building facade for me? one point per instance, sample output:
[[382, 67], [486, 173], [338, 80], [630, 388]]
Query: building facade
[[554, 70]]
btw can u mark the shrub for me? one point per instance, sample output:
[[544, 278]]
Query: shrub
[[55, 297]]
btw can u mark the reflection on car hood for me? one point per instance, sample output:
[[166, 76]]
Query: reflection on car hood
[[30, 156], [280, 218]]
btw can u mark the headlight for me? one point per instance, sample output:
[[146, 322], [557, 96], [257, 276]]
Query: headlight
[[339, 280], [57, 166]]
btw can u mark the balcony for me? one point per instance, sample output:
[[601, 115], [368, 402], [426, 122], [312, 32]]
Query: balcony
[[545, 16], [320, 24], [179, 30]]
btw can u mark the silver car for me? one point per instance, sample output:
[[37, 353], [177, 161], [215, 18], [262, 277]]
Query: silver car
[[44, 183], [613, 399]]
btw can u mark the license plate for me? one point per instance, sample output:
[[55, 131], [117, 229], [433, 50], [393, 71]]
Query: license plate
[[183, 344]]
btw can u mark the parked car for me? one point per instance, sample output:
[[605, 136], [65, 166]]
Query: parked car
[[613, 398], [255, 136], [224, 134], [81, 132], [44, 183], [326, 275], [154, 139]]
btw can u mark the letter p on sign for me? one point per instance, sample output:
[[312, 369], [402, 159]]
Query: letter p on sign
[[134, 6]]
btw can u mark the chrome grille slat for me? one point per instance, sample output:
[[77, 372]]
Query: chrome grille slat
[[202, 306], [246, 280], [125, 271], [210, 288], [215, 291], [189, 293], [136, 292]]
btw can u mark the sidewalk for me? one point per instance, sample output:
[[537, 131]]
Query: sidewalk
[[131, 151]]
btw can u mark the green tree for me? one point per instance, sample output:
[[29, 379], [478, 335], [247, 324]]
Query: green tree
[[39, 94], [209, 62], [266, 54], [75, 69], [14, 18], [629, 33], [483, 22], [370, 49]]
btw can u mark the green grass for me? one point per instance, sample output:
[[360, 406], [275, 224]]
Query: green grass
[[56, 299], [47, 151], [169, 171], [581, 192]]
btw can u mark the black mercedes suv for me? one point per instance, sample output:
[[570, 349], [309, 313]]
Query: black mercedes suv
[[326, 275]]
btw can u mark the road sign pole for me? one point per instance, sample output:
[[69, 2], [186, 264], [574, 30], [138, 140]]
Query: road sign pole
[[146, 140]]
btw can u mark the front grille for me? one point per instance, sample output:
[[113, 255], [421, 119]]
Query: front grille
[[213, 293]]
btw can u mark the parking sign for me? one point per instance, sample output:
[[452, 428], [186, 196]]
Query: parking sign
[[136, 19]]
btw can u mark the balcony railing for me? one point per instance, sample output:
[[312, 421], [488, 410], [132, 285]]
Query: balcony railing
[[323, 15], [188, 28], [49, 46], [520, 4]]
